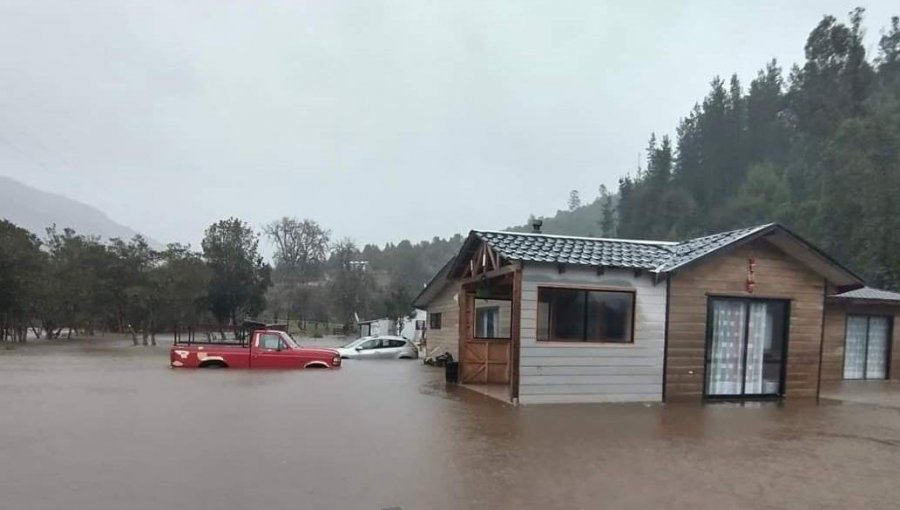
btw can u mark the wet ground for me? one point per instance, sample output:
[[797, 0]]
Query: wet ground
[[105, 426]]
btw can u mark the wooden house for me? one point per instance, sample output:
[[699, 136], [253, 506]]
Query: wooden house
[[540, 318]]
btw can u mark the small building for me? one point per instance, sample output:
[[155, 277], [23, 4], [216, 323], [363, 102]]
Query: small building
[[543, 318], [861, 340], [411, 328]]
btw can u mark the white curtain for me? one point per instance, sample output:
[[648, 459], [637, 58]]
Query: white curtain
[[855, 348], [726, 352], [876, 355], [759, 339]]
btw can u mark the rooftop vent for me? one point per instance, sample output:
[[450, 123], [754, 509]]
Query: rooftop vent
[[536, 226]]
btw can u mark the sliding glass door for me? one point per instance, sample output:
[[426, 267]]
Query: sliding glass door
[[745, 347], [866, 347]]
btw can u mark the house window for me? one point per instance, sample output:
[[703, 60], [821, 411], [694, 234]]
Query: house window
[[867, 342], [434, 321], [493, 318], [578, 315]]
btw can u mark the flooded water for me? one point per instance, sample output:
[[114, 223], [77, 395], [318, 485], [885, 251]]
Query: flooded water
[[110, 427]]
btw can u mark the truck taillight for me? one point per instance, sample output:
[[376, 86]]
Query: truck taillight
[[336, 361]]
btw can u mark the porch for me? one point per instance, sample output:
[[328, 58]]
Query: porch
[[489, 311]]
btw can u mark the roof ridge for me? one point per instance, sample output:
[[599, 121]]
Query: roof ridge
[[660, 244], [728, 232]]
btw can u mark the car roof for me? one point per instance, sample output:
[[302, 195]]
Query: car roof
[[384, 337]]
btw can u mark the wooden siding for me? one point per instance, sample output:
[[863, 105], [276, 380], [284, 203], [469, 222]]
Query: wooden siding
[[576, 372], [445, 339], [776, 275], [833, 349]]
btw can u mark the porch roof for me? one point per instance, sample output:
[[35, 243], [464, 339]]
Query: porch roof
[[867, 294]]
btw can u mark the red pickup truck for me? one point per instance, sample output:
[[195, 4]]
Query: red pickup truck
[[260, 348]]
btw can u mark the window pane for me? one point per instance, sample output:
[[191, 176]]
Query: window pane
[[434, 321], [765, 344], [566, 315], [876, 355], [270, 341], [493, 318], [609, 316], [855, 347], [726, 367]]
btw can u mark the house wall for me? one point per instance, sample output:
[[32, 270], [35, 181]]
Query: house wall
[[833, 348], [575, 372], [776, 275], [445, 339]]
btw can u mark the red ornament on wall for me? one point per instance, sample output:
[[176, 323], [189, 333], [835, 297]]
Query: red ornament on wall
[[751, 268]]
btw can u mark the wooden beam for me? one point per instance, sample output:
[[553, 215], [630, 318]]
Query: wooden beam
[[515, 344], [490, 274]]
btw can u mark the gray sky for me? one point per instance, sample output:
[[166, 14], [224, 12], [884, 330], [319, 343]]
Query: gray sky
[[382, 121]]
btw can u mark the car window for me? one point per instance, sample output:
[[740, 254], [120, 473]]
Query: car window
[[396, 343], [369, 344], [269, 341]]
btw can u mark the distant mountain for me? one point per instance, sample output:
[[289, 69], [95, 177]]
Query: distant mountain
[[35, 210]]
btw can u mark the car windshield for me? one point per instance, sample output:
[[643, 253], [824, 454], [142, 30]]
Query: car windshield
[[353, 343]]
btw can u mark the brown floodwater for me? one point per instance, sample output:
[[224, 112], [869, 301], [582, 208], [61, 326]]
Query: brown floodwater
[[106, 426]]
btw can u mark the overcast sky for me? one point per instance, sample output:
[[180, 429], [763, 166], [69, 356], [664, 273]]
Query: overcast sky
[[382, 121]]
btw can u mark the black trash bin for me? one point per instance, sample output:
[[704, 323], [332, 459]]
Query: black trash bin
[[451, 371]]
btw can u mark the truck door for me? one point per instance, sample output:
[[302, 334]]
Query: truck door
[[271, 352]]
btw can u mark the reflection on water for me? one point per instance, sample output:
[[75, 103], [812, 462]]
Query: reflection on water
[[111, 427]]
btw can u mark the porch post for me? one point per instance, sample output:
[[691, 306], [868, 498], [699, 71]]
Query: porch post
[[514, 343]]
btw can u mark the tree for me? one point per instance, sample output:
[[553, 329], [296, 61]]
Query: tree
[[352, 286], [607, 213], [574, 200], [135, 294], [301, 247], [181, 279], [239, 278], [21, 267]]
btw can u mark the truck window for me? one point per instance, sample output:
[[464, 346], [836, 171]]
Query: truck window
[[269, 341]]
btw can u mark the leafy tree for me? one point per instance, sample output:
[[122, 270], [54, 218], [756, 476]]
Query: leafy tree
[[352, 285], [607, 213], [21, 267], [239, 278], [574, 200]]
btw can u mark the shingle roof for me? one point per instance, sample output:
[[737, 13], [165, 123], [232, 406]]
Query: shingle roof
[[693, 249], [869, 293], [577, 250], [656, 256]]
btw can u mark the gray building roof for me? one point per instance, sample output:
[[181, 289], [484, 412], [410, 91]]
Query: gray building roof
[[655, 256], [868, 294], [576, 250]]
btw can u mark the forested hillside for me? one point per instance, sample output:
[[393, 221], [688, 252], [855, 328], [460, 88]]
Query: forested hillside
[[816, 148]]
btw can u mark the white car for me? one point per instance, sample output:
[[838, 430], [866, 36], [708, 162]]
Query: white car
[[373, 347]]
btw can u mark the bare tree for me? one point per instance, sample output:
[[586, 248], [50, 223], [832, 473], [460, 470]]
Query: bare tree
[[301, 246]]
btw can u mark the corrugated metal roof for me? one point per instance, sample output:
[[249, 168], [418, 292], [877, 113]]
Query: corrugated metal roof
[[869, 293]]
